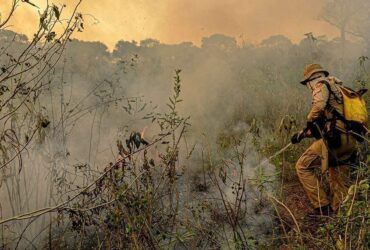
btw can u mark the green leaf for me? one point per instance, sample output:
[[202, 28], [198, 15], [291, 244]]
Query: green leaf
[[137, 140], [28, 2], [143, 107], [170, 106], [56, 11], [171, 100], [43, 24]]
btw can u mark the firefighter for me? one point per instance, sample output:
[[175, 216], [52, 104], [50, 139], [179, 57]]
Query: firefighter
[[333, 146]]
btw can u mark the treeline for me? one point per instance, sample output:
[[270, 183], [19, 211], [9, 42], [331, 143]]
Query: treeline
[[222, 80]]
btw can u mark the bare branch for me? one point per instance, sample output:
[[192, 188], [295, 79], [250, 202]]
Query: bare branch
[[12, 10]]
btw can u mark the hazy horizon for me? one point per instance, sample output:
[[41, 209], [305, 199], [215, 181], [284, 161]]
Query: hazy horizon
[[177, 21]]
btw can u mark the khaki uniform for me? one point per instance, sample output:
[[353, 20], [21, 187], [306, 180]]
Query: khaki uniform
[[318, 155]]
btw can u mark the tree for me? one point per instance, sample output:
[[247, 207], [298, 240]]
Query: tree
[[349, 16], [124, 48], [149, 43], [219, 42], [277, 41]]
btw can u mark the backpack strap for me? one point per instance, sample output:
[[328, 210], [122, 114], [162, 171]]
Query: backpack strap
[[337, 99], [331, 92], [332, 110]]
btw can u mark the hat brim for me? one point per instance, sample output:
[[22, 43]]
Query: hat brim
[[304, 81]]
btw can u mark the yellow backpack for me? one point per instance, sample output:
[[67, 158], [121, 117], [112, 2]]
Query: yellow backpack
[[354, 105]]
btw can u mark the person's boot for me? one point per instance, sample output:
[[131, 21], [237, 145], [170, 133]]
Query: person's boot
[[323, 211]]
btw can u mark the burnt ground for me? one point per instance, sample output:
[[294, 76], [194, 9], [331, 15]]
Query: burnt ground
[[295, 198]]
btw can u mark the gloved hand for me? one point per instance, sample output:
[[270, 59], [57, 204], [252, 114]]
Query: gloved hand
[[297, 137]]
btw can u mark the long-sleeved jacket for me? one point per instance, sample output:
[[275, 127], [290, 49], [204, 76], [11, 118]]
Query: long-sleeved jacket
[[321, 97]]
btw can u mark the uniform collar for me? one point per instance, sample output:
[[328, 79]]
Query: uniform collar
[[312, 84], [318, 79]]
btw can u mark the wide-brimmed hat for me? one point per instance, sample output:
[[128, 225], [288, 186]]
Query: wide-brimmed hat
[[310, 70]]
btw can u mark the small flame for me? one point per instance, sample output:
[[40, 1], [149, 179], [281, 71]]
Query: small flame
[[143, 132]]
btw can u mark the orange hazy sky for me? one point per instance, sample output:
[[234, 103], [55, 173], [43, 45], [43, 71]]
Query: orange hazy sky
[[174, 21]]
